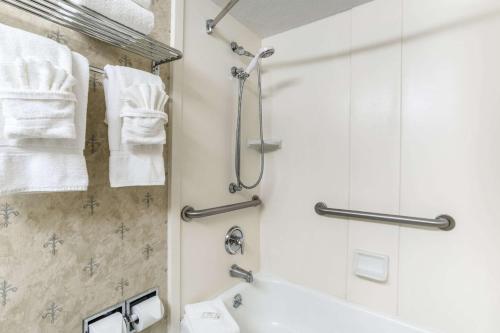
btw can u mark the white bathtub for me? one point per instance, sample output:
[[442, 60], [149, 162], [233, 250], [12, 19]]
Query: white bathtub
[[274, 306]]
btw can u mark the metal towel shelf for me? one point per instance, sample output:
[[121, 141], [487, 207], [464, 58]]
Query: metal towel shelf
[[443, 222], [100, 27], [188, 213]]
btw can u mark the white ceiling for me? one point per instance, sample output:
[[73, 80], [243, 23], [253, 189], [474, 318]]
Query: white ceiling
[[269, 17]]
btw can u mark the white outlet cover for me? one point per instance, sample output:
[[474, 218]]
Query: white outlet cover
[[371, 266]]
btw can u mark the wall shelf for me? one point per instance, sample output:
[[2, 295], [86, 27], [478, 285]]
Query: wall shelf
[[95, 25], [269, 145]]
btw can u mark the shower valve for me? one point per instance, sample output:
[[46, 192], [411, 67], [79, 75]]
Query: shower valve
[[233, 188], [239, 73]]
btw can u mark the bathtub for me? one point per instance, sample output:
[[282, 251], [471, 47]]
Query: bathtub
[[270, 305]]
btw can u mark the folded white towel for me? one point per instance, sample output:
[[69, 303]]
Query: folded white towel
[[126, 12], [44, 165], [48, 165], [134, 113], [143, 3], [143, 116], [209, 317], [37, 100]]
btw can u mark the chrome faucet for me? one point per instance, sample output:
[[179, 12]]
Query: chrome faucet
[[238, 272]]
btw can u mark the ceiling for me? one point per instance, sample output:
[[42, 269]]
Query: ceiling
[[270, 17]]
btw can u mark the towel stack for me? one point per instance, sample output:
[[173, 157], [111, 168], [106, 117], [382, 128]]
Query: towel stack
[[209, 317], [135, 14], [43, 107], [135, 103]]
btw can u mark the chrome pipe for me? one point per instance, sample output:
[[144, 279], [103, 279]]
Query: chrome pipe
[[212, 23], [188, 213], [443, 222]]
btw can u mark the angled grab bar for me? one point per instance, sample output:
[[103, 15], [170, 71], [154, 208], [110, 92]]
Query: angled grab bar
[[188, 213], [443, 222]]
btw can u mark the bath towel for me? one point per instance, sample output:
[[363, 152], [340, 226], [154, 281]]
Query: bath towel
[[209, 317], [134, 113], [126, 12], [44, 164], [143, 3]]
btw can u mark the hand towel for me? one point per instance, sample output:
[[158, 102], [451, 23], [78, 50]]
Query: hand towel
[[130, 115], [209, 317], [44, 165], [143, 3], [126, 12], [143, 116]]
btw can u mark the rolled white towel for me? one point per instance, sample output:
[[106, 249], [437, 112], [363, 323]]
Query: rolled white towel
[[143, 3], [126, 12]]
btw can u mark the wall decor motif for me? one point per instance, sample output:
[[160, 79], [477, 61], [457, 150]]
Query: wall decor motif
[[52, 312], [94, 81], [122, 229], [91, 267], [91, 204], [58, 37], [52, 244], [94, 143], [148, 199], [124, 60], [7, 213], [122, 285], [5, 289], [147, 251]]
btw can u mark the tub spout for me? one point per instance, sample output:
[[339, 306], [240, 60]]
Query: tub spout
[[238, 272]]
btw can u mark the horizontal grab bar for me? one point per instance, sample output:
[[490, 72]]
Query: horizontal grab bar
[[188, 213], [443, 222]]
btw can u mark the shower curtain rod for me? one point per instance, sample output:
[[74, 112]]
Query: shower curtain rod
[[213, 22]]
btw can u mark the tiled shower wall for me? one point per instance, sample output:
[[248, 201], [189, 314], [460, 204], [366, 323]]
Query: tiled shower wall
[[66, 256], [392, 107]]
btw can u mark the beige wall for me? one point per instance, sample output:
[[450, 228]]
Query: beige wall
[[391, 107], [52, 291], [204, 127]]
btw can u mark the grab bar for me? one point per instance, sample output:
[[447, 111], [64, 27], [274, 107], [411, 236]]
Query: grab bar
[[212, 23], [188, 213], [443, 222]]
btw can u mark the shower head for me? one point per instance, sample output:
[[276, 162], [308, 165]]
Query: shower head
[[264, 52]]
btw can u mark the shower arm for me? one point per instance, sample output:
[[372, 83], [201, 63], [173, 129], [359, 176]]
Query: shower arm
[[210, 24]]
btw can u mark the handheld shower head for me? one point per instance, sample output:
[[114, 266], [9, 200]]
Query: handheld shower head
[[264, 52]]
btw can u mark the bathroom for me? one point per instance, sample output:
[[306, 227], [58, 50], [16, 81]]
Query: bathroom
[[314, 167]]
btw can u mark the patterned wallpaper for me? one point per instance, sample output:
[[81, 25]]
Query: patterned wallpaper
[[65, 256]]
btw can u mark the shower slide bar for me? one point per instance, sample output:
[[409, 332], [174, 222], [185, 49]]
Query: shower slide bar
[[212, 23], [443, 222], [188, 213], [100, 27]]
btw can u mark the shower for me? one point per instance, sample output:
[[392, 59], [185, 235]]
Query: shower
[[243, 75]]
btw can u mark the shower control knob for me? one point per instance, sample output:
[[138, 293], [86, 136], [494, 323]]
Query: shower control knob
[[235, 241]]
